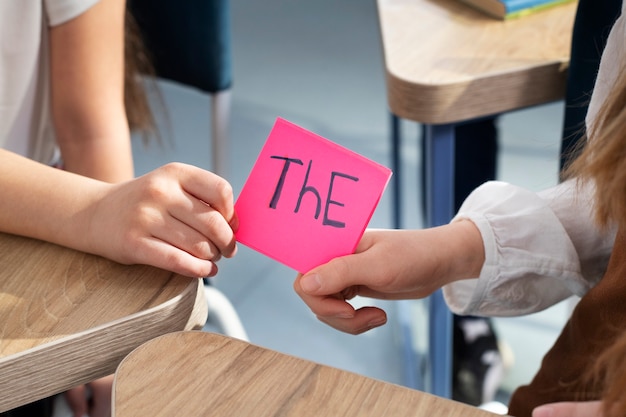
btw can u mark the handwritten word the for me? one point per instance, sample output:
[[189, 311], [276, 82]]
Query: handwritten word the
[[306, 188]]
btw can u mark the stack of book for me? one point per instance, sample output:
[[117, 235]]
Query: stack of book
[[510, 9]]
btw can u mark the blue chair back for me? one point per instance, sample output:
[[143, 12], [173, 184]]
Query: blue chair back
[[188, 41]]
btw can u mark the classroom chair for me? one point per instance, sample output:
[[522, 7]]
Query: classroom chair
[[189, 42]]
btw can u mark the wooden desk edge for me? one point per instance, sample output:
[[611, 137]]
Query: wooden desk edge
[[494, 94], [227, 375], [431, 49], [92, 354]]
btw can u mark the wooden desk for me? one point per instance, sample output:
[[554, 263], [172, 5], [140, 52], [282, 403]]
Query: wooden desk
[[447, 64], [67, 318], [200, 374]]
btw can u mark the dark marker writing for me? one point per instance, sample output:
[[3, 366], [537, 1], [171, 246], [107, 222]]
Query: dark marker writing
[[306, 188], [281, 180], [328, 221]]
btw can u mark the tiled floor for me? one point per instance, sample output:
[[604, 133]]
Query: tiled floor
[[319, 64]]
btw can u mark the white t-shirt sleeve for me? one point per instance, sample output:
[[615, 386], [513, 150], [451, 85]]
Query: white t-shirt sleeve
[[540, 248], [61, 11]]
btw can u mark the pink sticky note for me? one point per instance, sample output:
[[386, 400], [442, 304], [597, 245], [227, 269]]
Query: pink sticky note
[[307, 200]]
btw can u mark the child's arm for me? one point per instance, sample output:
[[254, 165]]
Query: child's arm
[[87, 93], [392, 265], [178, 217]]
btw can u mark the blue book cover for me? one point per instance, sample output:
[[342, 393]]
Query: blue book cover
[[513, 6], [512, 9]]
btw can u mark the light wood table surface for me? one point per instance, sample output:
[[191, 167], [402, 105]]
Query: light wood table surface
[[201, 374], [67, 317], [447, 64]]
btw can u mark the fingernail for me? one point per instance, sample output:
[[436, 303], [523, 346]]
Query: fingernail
[[372, 325], [234, 223], [310, 283], [543, 411], [377, 322]]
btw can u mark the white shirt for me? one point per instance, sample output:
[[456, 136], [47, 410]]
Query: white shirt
[[540, 248], [25, 119]]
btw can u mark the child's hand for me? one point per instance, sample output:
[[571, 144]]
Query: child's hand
[[392, 265], [178, 217], [570, 409]]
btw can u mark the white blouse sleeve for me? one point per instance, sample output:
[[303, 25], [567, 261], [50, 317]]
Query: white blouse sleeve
[[540, 248], [61, 11]]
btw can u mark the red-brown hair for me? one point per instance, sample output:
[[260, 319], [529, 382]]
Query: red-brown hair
[[137, 69], [603, 158], [602, 161]]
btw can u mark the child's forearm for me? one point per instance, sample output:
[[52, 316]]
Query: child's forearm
[[465, 255], [177, 217], [45, 203]]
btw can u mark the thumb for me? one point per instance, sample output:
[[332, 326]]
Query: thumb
[[337, 275]]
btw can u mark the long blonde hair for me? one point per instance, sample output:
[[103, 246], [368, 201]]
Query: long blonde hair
[[602, 160], [603, 157]]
